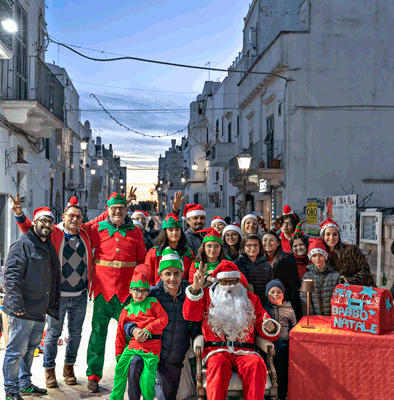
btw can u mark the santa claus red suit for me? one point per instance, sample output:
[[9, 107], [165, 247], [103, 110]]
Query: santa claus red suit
[[231, 317]]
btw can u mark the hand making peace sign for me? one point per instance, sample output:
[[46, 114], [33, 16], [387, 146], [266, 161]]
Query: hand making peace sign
[[131, 196], [199, 277], [16, 207]]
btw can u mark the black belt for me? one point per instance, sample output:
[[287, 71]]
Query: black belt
[[154, 337], [230, 344]]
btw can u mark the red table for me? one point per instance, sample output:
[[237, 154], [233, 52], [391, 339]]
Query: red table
[[326, 363]]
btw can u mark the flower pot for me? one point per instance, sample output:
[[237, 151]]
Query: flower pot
[[275, 163]]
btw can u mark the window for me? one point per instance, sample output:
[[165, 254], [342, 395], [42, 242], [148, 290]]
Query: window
[[71, 161], [3, 214], [237, 125], [20, 57], [251, 130], [269, 139], [229, 132], [199, 111], [47, 148], [217, 130], [217, 176]]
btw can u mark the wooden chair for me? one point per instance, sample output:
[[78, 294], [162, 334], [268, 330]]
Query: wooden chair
[[267, 350]]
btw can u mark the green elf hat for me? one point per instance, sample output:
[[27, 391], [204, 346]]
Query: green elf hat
[[116, 198], [172, 221], [140, 277], [212, 235], [170, 259], [298, 229]]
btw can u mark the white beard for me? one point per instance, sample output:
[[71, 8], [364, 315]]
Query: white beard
[[231, 313]]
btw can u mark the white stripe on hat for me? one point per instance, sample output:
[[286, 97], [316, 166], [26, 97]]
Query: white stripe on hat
[[232, 228], [317, 250], [195, 212], [228, 274], [218, 220], [247, 217], [43, 214]]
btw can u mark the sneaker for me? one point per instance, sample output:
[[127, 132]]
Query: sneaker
[[33, 390], [93, 386], [13, 396]]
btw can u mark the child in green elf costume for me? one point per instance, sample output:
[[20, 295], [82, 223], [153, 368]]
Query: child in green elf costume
[[148, 320]]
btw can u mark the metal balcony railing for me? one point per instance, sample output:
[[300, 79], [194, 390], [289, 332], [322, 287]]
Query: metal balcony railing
[[6, 12], [28, 78]]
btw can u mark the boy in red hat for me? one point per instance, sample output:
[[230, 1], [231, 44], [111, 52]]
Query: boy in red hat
[[148, 320], [324, 276], [218, 223], [231, 315]]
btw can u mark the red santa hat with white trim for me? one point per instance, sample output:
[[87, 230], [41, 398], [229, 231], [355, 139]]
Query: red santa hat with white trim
[[218, 219], [227, 269], [73, 202], [316, 246], [327, 224], [42, 212], [142, 213], [191, 210], [287, 210], [233, 227]]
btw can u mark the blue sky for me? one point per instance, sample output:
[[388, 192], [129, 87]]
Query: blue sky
[[177, 31]]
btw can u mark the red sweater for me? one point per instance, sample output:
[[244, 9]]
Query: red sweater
[[151, 317]]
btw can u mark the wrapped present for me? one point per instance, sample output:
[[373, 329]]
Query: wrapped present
[[363, 309]]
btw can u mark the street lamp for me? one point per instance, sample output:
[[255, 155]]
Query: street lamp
[[244, 160], [183, 177], [9, 25], [121, 181], [84, 145], [99, 162], [121, 186], [92, 171], [194, 166]]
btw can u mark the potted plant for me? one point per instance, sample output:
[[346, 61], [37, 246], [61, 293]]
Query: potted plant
[[275, 163]]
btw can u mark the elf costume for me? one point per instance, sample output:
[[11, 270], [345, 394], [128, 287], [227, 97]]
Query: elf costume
[[155, 255], [150, 316], [118, 250], [211, 235]]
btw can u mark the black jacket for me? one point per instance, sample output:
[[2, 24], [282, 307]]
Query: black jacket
[[285, 315], [285, 268], [194, 240], [324, 282], [258, 273], [32, 278], [175, 340]]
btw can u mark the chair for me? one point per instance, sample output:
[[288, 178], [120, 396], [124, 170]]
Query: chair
[[267, 350]]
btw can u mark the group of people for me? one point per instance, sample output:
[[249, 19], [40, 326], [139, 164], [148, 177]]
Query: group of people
[[237, 280]]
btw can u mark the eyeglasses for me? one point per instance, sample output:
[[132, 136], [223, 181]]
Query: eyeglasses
[[115, 209], [286, 224], [252, 246], [231, 235], [72, 216], [49, 222], [225, 282], [265, 241], [138, 291]]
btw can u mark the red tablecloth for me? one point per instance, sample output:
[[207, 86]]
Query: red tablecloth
[[328, 363]]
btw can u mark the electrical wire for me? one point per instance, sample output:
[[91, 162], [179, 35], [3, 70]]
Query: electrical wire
[[162, 62]]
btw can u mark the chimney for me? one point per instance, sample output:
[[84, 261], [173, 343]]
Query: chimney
[[98, 141], [173, 142], [110, 147]]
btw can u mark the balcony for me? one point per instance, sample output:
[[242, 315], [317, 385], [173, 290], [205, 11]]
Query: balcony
[[6, 12], [221, 154], [268, 165], [32, 98]]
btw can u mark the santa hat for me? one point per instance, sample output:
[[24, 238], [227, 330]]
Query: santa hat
[[287, 210], [247, 217], [42, 212], [298, 229], [136, 222], [172, 221], [212, 235], [191, 210], [327, 224], [140, 277], [316, 246], [226, 269], [73, 202], [233, 227], [142, 213], [116, 198], [170, 259], [218, 219]]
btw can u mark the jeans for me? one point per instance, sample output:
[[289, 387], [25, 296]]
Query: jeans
[[24, 337], [75, 307]]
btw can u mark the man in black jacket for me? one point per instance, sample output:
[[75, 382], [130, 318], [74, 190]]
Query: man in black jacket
[[175, 340], [32, 286]]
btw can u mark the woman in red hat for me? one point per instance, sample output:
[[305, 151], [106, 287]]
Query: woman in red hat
[[347, 258], [210, 254], [172, 236], [287, 227]]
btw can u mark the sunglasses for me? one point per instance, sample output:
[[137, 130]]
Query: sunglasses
[[224, 282]]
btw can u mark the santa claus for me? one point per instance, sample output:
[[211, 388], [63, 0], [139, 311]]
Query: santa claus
[[231, 316]]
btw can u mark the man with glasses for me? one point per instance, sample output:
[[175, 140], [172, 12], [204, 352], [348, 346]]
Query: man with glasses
[[32, 285], [72, 243], [119, 248], [231, 317]]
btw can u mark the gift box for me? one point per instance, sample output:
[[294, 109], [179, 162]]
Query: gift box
[[364, 309]]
